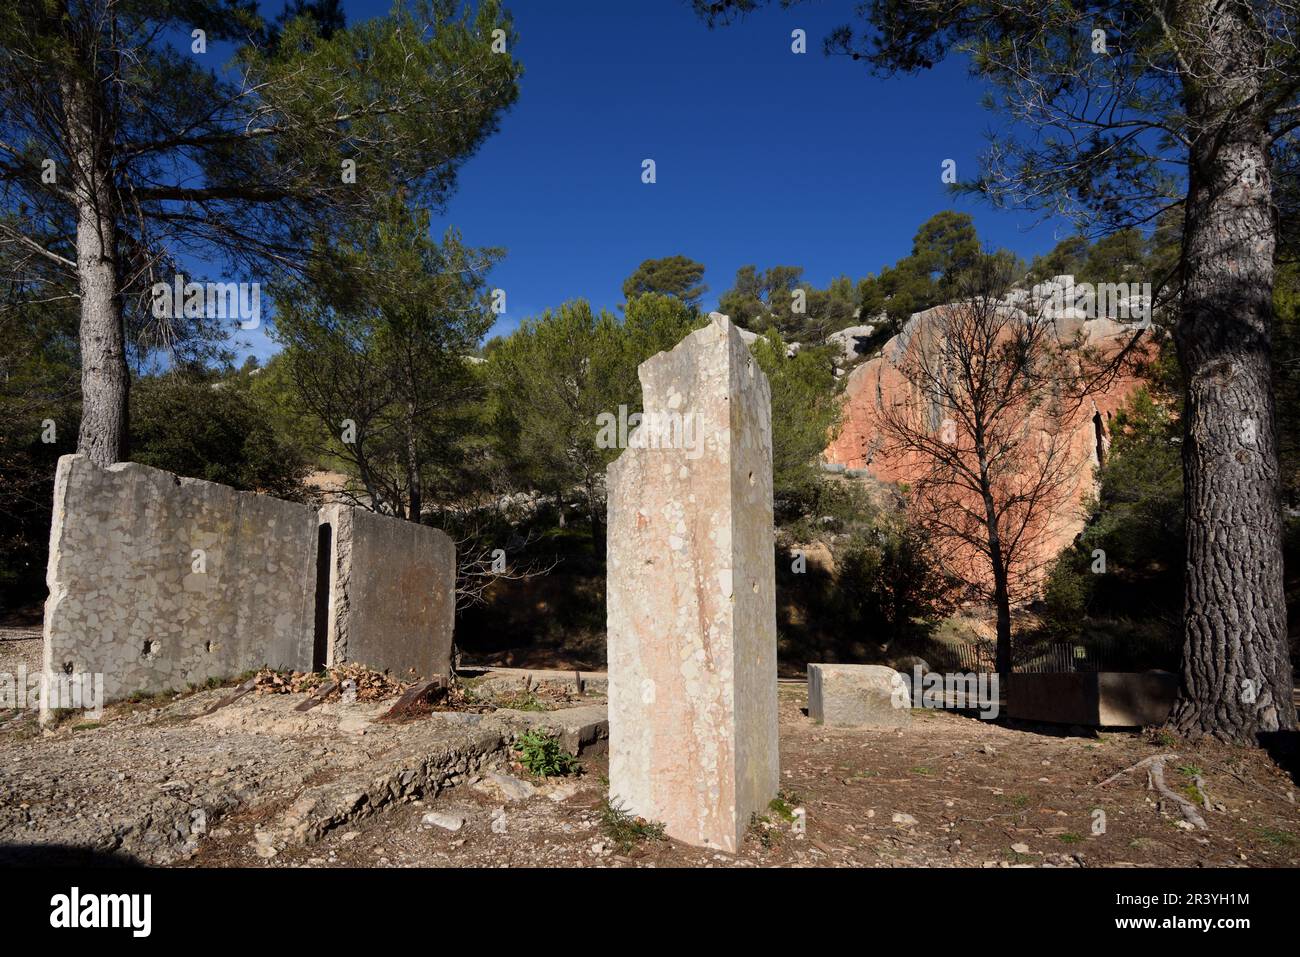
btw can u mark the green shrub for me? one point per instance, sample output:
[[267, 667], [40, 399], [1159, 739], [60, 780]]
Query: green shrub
[[206, 428], [626, 830], [541, 753]]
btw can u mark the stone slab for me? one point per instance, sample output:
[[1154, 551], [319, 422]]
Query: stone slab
[[581, 730], [858, 696], [158, 582], [691, 602], [1093, 699], [392, 604]]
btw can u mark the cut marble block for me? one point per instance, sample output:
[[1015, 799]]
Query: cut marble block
[[691, 599], [858, 696]]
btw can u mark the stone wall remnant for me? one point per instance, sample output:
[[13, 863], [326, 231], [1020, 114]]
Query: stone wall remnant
[[392, 587], [691, 601], [158, 582], [1093, 699]]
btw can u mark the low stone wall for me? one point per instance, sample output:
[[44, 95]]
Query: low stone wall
[[1093, 699], [158, 582], [392, 593]]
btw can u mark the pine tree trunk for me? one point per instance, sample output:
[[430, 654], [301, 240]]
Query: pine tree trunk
[[596, 517], [104, 376], [415, 496], [1236, 674]]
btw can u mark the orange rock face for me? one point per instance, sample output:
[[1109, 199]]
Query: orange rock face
[[1079, 441]]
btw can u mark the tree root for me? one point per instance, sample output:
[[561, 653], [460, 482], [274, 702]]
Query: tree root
[[1288, 796], [1155, 768]]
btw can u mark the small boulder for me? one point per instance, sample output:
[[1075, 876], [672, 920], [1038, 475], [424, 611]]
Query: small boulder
[[447, 820]]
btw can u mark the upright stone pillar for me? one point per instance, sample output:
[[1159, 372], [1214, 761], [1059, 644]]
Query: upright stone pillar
[[691, 595]]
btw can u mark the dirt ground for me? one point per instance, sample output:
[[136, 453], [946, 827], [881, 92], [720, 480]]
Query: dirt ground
[[20, 646], [981, 796], [947, 791]]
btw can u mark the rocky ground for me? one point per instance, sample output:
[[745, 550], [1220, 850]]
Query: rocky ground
[[257, 783], [20, 646]]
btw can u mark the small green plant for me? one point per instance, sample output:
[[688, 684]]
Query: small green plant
[[1020, 801], [521, 701], [1274, 836], [1070, 838], [627, 830], [782, 808], [143, 700], [920, 770], [1165, 739], [1190, 788], [542, 755], [763, 829]]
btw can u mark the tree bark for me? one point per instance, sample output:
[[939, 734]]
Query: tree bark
[[415, 491], [997, 559], [104, 375], [596, 517], [1236, 673]]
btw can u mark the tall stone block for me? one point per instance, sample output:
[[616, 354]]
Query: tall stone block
[[392, 593], [157, 582], [691, 595]]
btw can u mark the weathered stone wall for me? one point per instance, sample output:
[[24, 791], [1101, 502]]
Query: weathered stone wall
[[130, 598], [392, 593], [1093, 698], [691, 603]]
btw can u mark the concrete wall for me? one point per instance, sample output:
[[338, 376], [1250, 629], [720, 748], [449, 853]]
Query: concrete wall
[[1093, 699], [392, 593], [129, 598]]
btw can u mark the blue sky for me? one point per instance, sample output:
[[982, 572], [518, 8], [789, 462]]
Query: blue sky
[[762, 155]]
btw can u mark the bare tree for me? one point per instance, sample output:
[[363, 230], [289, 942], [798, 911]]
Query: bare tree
[[481, 562], [996, 399], [1126, 110]]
